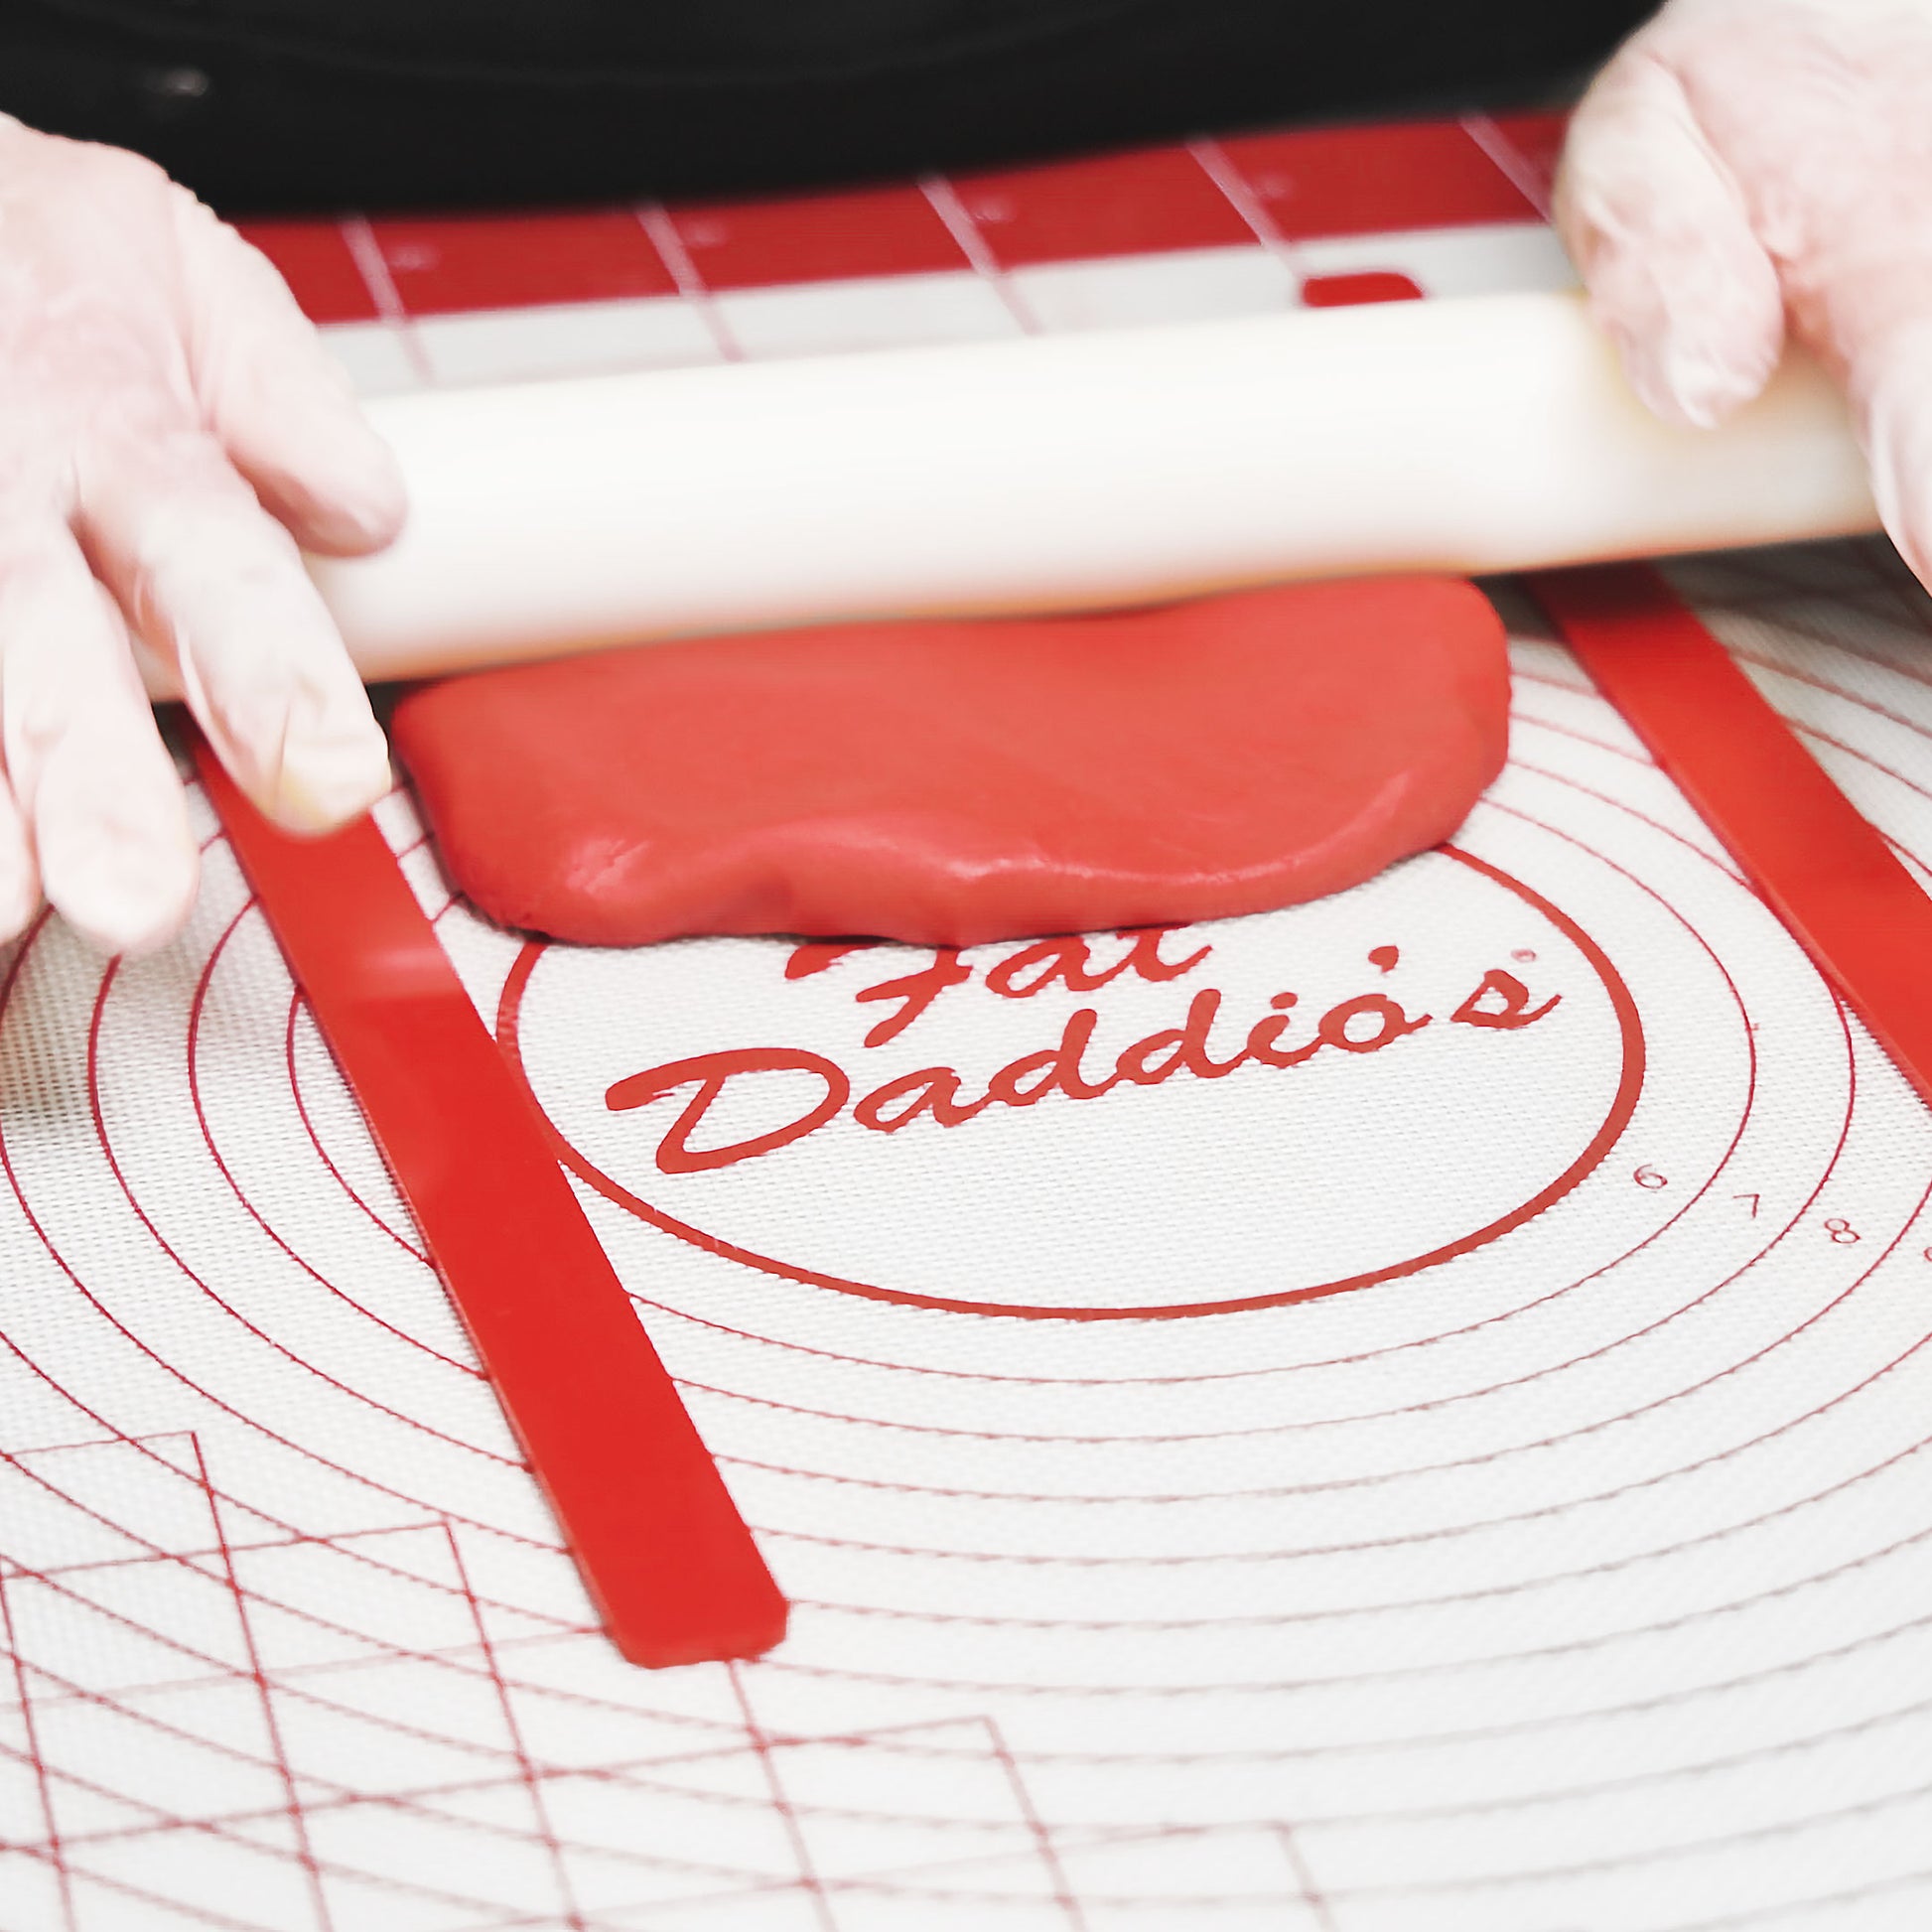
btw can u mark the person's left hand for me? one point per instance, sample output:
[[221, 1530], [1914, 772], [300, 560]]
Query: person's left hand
[[171, 429]]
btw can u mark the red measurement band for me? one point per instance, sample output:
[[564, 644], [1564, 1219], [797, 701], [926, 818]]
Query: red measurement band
[[661, 1547], [1828, 874]]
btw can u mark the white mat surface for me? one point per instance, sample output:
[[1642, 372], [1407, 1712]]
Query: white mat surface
[[1578, 1580]]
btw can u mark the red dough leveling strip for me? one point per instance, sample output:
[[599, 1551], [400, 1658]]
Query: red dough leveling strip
[[1827, 873], [666, 1556]]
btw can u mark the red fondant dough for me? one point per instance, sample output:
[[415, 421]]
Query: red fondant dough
[[953, 782]]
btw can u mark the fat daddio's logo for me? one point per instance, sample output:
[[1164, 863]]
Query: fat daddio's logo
[[1364, 1024], [1170, 1121]]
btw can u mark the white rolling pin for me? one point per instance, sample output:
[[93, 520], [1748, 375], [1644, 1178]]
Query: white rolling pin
[[1060, 472]]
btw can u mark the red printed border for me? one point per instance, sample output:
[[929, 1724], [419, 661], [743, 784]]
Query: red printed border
[[1306, 184]]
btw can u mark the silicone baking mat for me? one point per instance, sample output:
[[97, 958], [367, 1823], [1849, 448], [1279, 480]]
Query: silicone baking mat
[[1471, 1477]]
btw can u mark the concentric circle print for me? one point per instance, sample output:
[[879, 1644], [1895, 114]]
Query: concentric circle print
[[1573, 1571]]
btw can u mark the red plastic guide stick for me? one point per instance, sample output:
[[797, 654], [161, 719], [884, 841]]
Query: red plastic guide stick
[[666, 1556], [1829, 876]]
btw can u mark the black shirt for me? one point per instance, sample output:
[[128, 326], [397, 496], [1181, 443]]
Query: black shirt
[[300, 103]]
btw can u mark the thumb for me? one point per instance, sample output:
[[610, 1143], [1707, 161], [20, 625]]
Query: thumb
[[1861, 298], [1889, 382], [1663, 239]]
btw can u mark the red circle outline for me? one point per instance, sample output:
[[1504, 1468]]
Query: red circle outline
[[1623, 1106]]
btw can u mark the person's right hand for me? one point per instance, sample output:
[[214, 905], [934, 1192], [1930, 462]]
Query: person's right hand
[[1744, 168], [170, 428]]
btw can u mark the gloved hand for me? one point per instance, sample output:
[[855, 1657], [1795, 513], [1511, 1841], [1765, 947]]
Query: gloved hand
[[1746, 165], [169, 428]]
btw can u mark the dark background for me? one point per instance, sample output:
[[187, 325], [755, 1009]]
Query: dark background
[[292, 104]]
